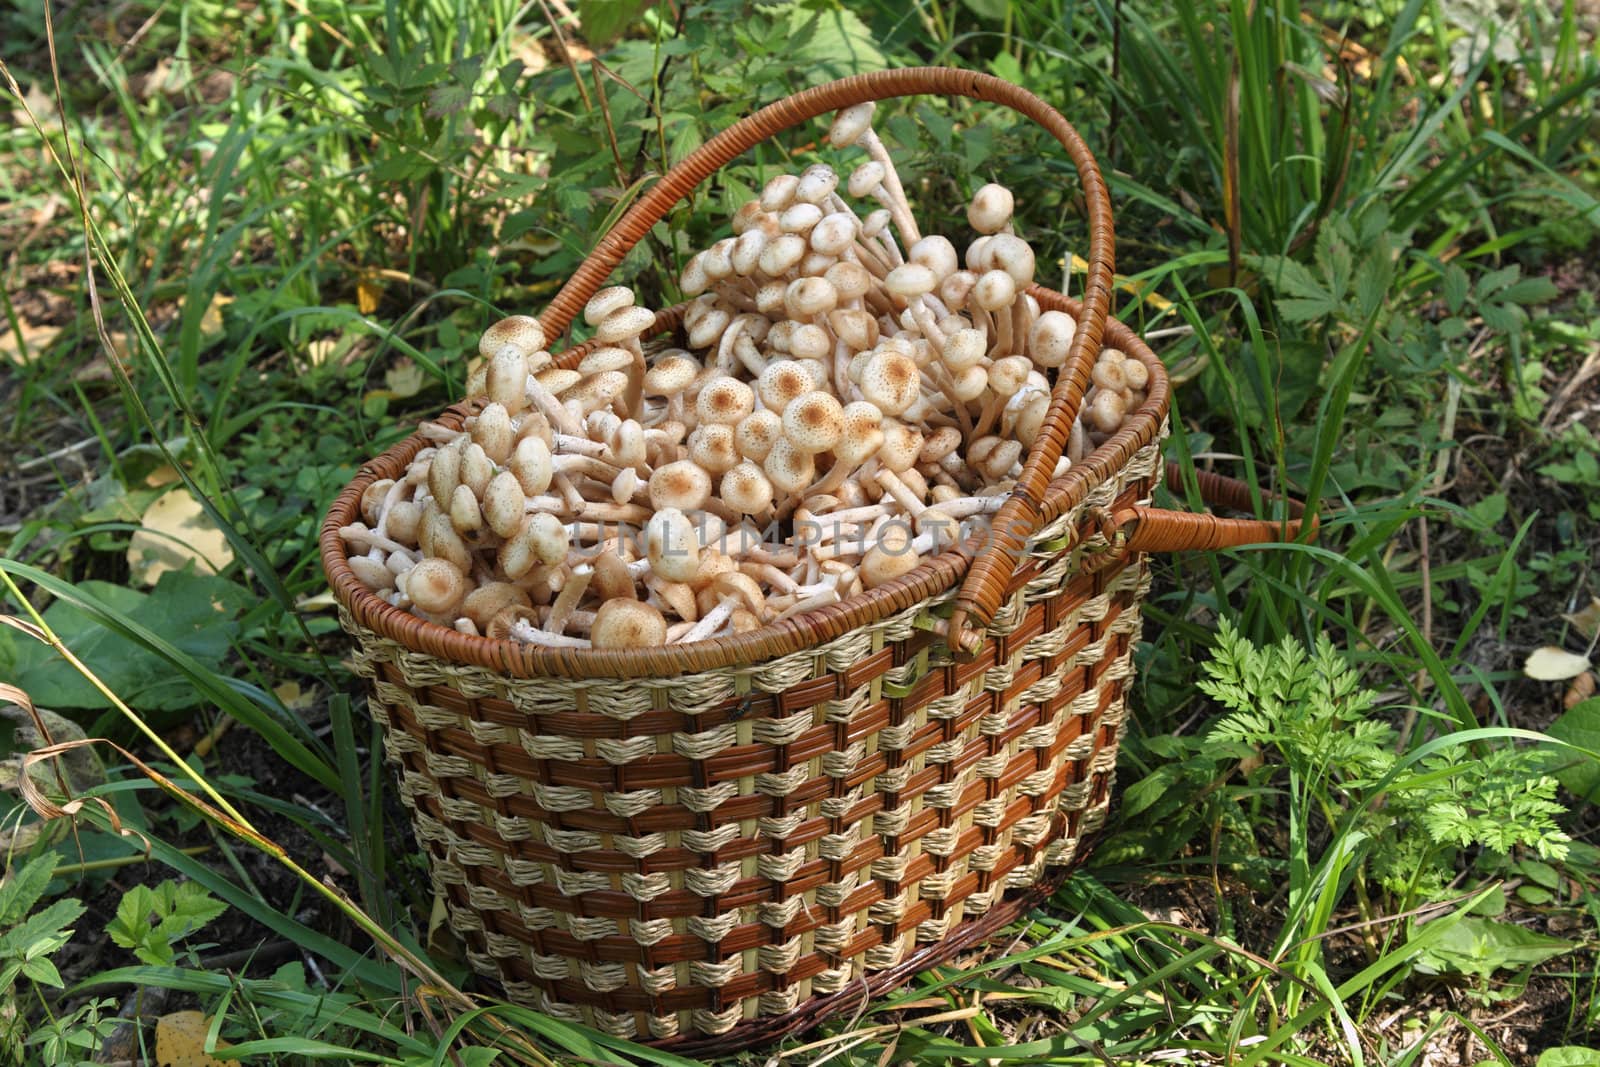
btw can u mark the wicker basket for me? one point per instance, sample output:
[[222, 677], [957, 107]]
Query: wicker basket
[[706, 846]]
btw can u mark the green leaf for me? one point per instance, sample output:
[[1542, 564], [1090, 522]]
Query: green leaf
[[22, 889], [195, 612], [1580, 726], [604, 20], [151, 920], [1454, 286], [1479, 947], [1568, 1056]]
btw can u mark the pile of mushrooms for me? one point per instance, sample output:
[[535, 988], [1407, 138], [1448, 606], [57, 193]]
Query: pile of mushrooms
[[850, 400]]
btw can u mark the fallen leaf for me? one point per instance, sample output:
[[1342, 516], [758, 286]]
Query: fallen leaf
[[181, 1041], [211, 325], [1551, 664], [20, 352], [1586, 620], [369, 292], [176, 531], [319, 350], [405, 378]]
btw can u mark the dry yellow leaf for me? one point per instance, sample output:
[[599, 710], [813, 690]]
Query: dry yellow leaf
[[34, 340], [176, 531], [211, 326], [1550, 664], [1587, 619], [181, 1041], [369, 292], [319, 350], [405, 378]]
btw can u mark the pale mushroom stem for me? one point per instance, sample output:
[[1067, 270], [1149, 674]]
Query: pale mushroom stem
[[899, 207]]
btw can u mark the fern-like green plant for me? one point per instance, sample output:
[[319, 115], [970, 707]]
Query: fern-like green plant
[[1311, 709]]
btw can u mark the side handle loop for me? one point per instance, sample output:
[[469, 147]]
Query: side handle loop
[[1148, 529]]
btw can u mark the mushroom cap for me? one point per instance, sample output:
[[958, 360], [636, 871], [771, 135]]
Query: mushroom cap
[[782, 253], [746, 488], [503, 504], [995, 290], [719, 259], [816, 182], [1013, 255], [520, 333], [531, 464], [891, 381], [557, 380], [901, 446], [813, 422], [800, 218], [892, 557], [1107, 374], [834, 233], [604, 359], [611, 299], [865, 179], [681, 484], [937, 254], [436, 586], [490, 599], [850, 279], [809, 341], [850, 124], [725, 400], [694, 280], [963, 349], [858, 329], [1105, 412], [1051, 338], [939, 444], [808, 297], [672, 545], [1136, 374], [955, 289], [671, 374], [1007, 375], [789, 469], [624, 325], [597, 390], [707, 328], [714, 447], [910, 280], [970, 383], [778, 193], [372, 500], [747, 251], [546, 535], [862, 435], [628, 624], [991, 208], [757, 432]]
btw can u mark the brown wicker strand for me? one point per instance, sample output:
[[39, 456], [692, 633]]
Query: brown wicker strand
[[1158, 530]]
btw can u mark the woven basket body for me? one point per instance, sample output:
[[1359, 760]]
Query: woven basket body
[[675, 857], [707, 846]]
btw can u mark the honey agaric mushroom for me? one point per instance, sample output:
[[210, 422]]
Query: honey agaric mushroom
[[814, 343], [628, 624]]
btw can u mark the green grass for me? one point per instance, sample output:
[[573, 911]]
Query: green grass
[[1362, 229]]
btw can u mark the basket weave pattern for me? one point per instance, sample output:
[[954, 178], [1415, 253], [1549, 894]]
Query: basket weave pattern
[[668, 858]]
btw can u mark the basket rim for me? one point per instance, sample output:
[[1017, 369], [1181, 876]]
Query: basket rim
[[940, 574]]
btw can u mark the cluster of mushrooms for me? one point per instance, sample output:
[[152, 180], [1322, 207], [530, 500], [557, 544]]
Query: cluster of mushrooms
[[850, 401]]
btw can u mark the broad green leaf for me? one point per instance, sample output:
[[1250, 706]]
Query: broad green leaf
[[1580, 725], [1569, 1056], [195, 612], [1479, 947], [604, 20], [23, 887]]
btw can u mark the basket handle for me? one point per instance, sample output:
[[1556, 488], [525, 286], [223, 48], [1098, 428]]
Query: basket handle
[[981, 593], [1147, 529]]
